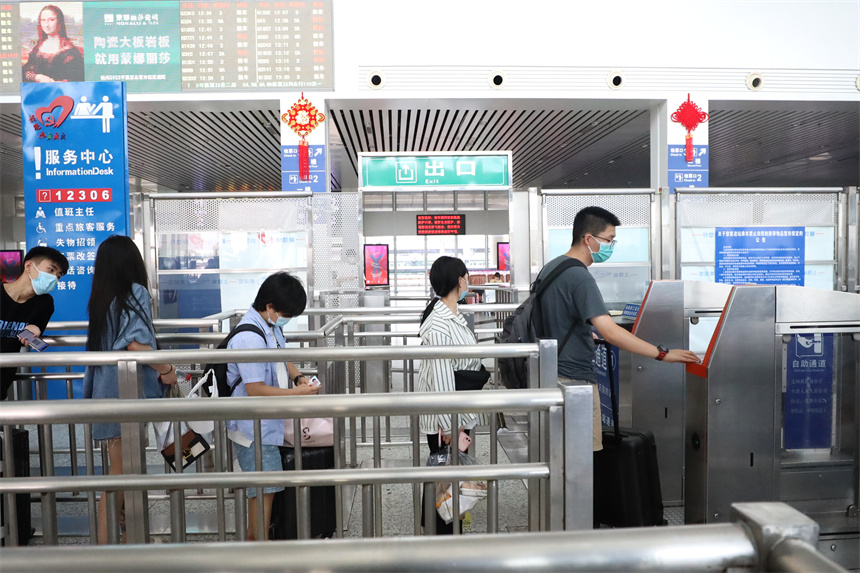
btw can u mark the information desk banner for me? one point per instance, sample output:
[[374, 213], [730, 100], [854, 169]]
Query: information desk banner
[[445, 172], [75, 177], [760, 255], [809, 392]]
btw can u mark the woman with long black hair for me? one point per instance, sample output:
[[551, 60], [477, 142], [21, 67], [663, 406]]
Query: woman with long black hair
[[120, 319], [443, 325]]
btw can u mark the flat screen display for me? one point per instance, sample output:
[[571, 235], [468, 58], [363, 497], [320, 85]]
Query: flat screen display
[[167, 46], [441, 224], [503, 256], [11, 265], [376, 265]]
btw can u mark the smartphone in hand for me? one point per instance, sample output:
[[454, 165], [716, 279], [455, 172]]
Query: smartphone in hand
[[35, 342]]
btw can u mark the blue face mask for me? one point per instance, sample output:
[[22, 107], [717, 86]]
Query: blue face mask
[[44, 282], [281, 322], [603, 254]]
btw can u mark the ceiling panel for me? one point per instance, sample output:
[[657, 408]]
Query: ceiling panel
[[235, 145]]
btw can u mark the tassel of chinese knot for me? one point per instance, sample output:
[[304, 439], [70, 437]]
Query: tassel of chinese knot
[[304, 161]]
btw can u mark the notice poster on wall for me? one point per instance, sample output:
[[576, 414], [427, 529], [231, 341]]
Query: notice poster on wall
[[809, 392], [760, 255], [376, 265], [503, 256]]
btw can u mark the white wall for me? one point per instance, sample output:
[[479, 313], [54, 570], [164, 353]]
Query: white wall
[[810, 34]]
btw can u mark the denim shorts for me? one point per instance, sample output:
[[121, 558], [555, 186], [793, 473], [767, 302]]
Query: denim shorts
[[271, 463]]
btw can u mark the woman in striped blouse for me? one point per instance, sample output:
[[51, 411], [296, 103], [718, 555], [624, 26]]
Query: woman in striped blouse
[[443, 325]]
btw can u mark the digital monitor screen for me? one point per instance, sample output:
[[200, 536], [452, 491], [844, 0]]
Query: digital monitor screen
[[441, 224], [11, 265], [167, 46], [503, 256], [376, 265]]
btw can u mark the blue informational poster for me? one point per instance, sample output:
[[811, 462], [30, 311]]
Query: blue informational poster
[[809, 392], [760, 255], [75, 178], [601, 369], [290, 169], [688, 174]]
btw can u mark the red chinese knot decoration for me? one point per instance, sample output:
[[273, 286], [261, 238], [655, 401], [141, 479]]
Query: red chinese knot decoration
[[690, 116], [303, 118]]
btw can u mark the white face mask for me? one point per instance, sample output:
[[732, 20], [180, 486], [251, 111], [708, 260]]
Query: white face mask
[[44, 282]]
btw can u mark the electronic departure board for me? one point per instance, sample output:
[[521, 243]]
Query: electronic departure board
[[168, 46], [441, 224]]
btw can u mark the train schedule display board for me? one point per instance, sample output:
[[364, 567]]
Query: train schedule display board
[[170, 46]]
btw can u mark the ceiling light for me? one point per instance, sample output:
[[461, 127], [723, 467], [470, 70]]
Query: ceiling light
[[821, 157]]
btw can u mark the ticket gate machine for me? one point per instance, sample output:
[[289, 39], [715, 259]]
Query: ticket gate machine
[[678, 314], [771, 413]]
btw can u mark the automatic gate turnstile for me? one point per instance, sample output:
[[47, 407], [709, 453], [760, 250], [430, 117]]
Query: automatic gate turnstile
[[738, 442], [672, 313]]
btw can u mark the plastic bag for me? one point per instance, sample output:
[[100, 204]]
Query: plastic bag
[[471, 492], [196, 435]]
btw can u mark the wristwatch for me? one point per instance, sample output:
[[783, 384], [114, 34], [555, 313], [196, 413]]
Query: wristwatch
[[663, 351], [296, 379]]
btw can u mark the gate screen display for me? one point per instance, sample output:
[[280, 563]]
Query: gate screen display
[[441, 224]]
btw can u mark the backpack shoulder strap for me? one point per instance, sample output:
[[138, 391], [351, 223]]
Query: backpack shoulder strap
[[542, 283], [247, 327]]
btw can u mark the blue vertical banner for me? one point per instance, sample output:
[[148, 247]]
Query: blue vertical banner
[[601, 370], [760, 255], [290, 180], [683, 173], [808, 409], [75, 153]]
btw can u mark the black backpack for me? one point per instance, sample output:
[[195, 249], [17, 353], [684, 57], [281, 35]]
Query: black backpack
[[220, 370], [526, 325]]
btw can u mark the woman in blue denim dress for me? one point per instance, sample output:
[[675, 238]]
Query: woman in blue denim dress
[[120, 319]]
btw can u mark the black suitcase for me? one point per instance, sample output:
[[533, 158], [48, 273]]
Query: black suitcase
[[21, 461], [323, 513], [626, 478]]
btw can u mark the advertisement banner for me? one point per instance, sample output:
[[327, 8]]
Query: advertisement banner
[[809, 392], [601, 369], [75, 178]]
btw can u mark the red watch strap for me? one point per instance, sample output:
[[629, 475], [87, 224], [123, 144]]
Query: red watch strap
[[663, 352]]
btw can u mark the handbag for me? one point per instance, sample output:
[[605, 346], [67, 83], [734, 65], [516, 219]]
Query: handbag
[[196, 436], [316, 432], [465, 380]]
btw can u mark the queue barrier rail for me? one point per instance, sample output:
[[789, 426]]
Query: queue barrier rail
[[761, 537], [132, 412]]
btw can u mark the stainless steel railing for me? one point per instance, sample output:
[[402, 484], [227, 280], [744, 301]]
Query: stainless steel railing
[[88, 411], [761, 537]]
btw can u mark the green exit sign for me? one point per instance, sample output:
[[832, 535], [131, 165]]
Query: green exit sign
[[431, 171]]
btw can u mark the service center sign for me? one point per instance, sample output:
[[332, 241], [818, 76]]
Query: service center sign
[[75, 177]]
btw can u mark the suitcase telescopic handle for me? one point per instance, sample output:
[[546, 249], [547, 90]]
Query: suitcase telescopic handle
[[611, 376]]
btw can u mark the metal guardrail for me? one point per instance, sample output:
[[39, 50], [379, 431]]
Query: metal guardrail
[[762, 537], [131, 412]]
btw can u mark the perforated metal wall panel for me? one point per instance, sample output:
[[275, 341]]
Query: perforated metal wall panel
[[336, 248], [633, 210], [766, 209], [225, 215]]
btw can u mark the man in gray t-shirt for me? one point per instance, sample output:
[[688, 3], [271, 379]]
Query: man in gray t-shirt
[[573, 303]]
